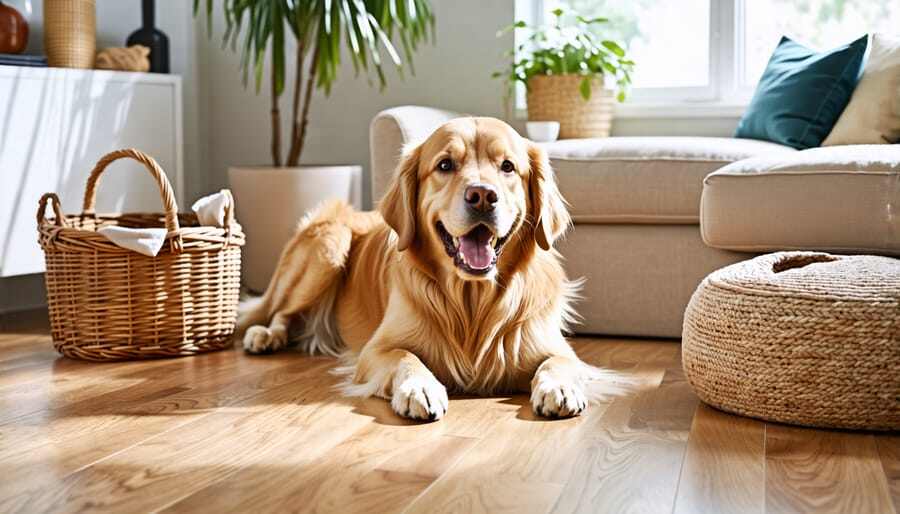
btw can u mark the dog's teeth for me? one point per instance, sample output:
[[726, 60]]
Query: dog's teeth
[[456, 242], [462, 257], [493, 241]]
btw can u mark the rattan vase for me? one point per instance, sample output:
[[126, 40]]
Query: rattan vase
[[70, 39], [110, 303], [557, 98]]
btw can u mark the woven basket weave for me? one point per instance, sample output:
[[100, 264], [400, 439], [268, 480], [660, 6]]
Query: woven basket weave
[[70, 39], [557, 98], [799, 337], [110, 303]]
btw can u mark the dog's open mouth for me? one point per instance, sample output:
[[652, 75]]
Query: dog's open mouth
[[474, 252]]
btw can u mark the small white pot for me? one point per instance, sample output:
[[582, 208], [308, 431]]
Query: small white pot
[[542, 131], [271, 201]]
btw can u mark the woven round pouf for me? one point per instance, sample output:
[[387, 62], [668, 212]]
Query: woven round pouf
[[798, 337]]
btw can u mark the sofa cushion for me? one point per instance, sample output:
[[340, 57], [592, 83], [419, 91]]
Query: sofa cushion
[[873, 114], [837, 198], [644, 179], [802, 93]]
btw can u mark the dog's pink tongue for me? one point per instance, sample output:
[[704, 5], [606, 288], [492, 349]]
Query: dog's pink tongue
[[476, 247]]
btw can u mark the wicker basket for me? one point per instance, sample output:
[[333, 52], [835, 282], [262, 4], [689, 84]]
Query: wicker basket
[[70, 33], [557, 98], [799, 337], [109, 303]]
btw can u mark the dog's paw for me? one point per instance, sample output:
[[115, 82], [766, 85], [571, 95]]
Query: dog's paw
[[421, 398], [555, 399], [259, 339]]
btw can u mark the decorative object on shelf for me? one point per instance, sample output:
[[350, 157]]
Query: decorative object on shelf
[[110, 303], [542, 131], [70, 38], [13, 30], [290, 190], [806, 338], [133, 58], [37, 61], [151, 37], [569, 72]]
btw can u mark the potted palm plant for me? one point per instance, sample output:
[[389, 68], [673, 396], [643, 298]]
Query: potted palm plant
[[572, 75], [271, 199]]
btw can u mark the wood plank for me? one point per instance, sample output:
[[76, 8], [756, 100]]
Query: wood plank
[[380, 468], [724, 466], [624, 470], [629, 460], [227, 431], [671, 406], [400, 457], [810, 470], [69, 382], [290, 418], [889, 453], [18, 345], [534, 465], [92, 431]]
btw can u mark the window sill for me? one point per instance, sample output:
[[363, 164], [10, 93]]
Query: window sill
[[672, 110], [680, 110]]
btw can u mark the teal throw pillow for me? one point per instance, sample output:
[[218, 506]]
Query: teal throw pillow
[[802, 93]]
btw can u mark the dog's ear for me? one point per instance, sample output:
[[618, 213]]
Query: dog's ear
[[548, 211], [398, 207]]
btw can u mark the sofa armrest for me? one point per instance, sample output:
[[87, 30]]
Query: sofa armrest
[[391, 130]]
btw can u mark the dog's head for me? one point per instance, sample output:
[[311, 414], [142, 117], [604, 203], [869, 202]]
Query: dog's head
[[470, 190]]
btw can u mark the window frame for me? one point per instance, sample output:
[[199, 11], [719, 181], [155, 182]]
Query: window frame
[[723, 96]]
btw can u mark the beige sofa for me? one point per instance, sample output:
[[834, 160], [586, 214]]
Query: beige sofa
[[638, 204]]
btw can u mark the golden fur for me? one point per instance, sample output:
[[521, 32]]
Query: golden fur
[[380, 288]]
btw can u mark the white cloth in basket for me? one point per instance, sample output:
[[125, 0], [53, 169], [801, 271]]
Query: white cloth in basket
[[210, 210]]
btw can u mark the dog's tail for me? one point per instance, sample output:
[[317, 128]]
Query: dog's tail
[[307, 280]]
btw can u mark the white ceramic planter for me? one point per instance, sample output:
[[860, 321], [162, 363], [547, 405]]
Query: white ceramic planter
[[270, 201]]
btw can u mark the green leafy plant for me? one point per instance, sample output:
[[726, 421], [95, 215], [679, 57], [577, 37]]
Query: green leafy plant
[[567, 49], [320, 27]]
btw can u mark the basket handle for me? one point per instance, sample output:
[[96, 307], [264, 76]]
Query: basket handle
[[165, 188], [57, 209]]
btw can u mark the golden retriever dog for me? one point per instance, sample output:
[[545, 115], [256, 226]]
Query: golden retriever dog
[[453, 285]]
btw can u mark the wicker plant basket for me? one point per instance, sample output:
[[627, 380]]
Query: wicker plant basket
[[110, 303], [799, 337], [70, 33], [557, 98]]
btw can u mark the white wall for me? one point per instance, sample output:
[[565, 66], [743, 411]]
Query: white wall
[[454, 73]]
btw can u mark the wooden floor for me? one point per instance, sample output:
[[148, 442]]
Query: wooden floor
[[230, 432]]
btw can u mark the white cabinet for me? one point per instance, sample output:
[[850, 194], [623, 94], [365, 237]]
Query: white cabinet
[[56, 123]]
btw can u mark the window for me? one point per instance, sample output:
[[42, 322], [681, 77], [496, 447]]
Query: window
[[714, 51], [819, 23]]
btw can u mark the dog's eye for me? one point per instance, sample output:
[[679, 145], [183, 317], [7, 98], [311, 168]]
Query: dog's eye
[[507, 166], [445, 165]]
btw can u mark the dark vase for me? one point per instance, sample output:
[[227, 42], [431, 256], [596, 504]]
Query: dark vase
[[154, 39], [13, 31]]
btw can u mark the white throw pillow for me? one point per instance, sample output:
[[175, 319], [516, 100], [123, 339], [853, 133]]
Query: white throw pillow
[[873, 114]]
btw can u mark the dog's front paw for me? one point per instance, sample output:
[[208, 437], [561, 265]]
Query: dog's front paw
[[259, 339], [557, 399], [419, 397]]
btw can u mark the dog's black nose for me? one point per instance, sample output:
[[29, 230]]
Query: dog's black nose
[[481, 197]]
